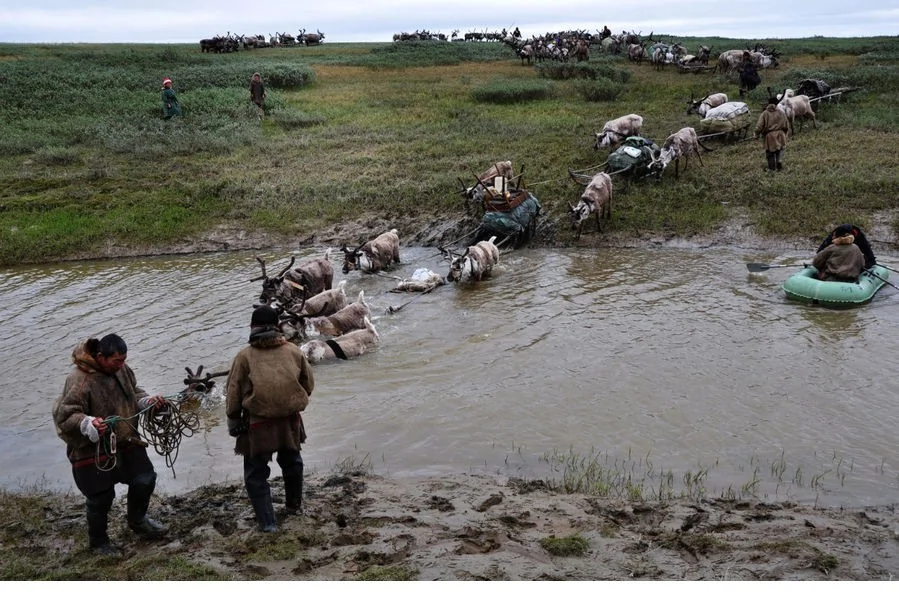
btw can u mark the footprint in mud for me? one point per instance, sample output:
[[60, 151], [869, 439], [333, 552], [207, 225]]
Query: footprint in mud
[[475, 541], [493, 500], [522, 520], [440, 503]]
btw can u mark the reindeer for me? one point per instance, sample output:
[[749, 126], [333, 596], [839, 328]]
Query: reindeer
[[475, 194], [681, 144], [702, 106], [475, 263], [616, 131], [794, 106], [313, 39], [326, 302], [346, 320], [702, 58], [729, 60], [582, 50], [351, 344], [374, 255], [596, 199], [636, 52], [291, 285]]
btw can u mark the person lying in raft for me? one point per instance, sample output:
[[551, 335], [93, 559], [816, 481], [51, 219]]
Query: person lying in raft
[[841, 260], [860, 241]]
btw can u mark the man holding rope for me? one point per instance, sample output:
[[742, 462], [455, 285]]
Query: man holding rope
[[97, 417]]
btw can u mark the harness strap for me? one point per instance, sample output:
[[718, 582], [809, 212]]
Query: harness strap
[[338, 351]]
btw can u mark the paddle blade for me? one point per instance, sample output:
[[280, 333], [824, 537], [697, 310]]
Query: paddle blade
[[760, 267]]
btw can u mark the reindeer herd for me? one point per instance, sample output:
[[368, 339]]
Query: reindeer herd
[[317, 316], [233, 42]]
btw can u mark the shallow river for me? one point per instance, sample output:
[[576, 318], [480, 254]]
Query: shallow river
[[655, 361]]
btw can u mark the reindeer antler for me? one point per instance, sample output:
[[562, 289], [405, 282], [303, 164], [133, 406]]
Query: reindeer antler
[[201, 384], [293, 258], [261, 263]]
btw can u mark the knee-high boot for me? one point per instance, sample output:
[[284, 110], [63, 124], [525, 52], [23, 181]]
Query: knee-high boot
[[265, 512], [255, 474], [293, 493], [291, 463], [97, 507], [140, 490], [772, 160]]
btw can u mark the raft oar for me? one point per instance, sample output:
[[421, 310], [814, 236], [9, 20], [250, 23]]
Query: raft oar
[[761, 267], [888, 267], [883, 279]]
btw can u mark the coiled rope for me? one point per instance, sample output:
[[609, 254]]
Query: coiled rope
[[162, 428]]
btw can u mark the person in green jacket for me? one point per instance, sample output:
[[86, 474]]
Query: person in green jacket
[[170, 105]]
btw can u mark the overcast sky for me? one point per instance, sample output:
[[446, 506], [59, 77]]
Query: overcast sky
[[187, 21]]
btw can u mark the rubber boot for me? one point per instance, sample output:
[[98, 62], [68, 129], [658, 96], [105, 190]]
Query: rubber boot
[[291, 463], [97, 507], [293, 494], [265, 512], [139, 492], [772, 162], [778, 158]]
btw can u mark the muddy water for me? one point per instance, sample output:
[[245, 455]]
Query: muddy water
[[656, 360]]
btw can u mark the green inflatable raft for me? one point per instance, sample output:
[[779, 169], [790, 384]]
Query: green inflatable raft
[[805, 287]]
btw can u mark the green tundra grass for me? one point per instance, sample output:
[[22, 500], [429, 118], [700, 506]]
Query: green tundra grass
[[380, 129]]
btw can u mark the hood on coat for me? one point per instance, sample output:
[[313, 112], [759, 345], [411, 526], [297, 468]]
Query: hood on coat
[[82, 357]]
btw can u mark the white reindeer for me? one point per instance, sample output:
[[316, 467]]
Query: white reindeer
[[616, 131], [349, 345], [795, 107], [702, 106], [681, 144], [596, 199], [326, 302], [475, 263]]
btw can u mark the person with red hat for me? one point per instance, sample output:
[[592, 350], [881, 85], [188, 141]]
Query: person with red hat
[[170, 105]]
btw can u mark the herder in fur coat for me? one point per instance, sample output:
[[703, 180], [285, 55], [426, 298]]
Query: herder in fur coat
[[269, 384], [842, 260], [101, 387], [773, 125]]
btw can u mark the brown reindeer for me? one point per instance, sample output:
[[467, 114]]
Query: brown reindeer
[[290, 286], [374, 255]]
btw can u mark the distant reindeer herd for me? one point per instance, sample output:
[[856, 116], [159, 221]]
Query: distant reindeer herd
[[232, 42], [559, 46]]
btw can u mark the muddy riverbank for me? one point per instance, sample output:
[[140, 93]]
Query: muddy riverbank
[[464, 527]]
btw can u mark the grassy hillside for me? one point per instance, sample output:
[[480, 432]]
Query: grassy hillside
[[380, 129]]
